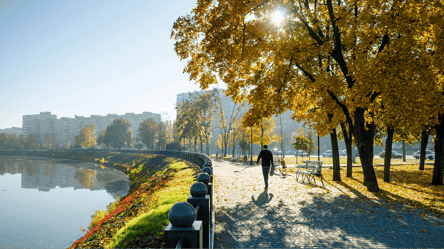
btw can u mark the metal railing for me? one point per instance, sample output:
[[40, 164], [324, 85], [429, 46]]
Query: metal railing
[[192, 222]]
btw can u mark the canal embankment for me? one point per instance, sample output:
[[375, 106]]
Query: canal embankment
[[139, 218]]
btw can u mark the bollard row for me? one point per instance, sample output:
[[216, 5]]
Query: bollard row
[[191, 223]]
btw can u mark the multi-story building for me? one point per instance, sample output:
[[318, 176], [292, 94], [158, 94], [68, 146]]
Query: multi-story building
[[42, 125], [13, 130], [63, 130]]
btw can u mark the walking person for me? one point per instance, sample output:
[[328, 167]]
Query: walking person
[[267, 159]]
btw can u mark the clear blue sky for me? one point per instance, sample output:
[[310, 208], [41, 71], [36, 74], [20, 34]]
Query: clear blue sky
[[89, 57]]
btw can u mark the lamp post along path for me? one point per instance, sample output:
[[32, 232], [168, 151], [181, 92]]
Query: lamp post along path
[[251, 145]]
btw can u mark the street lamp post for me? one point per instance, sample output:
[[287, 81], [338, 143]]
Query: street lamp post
[[251, 145], [319, 149], [208, 145]]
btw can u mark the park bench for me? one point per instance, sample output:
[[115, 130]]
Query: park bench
[[309, 171]]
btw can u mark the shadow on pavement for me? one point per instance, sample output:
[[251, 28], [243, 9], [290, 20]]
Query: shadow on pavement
[[328, 222]]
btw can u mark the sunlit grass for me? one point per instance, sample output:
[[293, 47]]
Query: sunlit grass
[[155, 221], [139, 219], [408, 185]]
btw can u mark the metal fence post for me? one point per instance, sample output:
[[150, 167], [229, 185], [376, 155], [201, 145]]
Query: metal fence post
[[184, 230], [182, 218], [205, 179], [199, 197], [208, 170]]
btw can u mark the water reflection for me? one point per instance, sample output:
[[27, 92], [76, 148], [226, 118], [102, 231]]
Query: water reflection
[[44, 175], [45, 201]]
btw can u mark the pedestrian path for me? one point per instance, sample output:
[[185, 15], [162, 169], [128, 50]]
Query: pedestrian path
[[294, 214]]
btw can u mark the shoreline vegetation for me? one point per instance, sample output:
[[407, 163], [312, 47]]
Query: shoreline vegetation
[[139, 218]]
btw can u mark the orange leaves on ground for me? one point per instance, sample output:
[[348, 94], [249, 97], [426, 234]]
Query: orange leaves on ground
[[408, 186]]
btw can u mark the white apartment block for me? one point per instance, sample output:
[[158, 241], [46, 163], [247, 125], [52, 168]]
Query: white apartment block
[[13, 130], [65, 129]]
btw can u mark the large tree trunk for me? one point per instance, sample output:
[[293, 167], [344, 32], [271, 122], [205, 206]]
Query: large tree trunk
[[225, 144], [403, 151], [388, 154], [201, 146], [364, 135], [335, 150], [234, 142], [439, 151], [424, 141], [195, 144], [348, 146]]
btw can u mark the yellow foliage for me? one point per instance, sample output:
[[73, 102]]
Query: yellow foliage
[[86, 136], [367, 63], [408, 186]]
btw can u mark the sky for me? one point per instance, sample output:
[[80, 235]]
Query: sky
[[89, 58]]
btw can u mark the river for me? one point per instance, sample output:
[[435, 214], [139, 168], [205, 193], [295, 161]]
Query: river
[[44, 201]]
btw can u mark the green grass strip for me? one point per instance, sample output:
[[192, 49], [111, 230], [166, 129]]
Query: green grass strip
[[155, 221]]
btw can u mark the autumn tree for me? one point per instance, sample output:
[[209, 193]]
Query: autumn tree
[[346, 56], [101, 138], [86, 136], [49, 141], [149, 132], [195, 116], [281, 137], [183, 126], [263, 131], [12, 142], [165, 134], [300, 142], [347, 135], [424, 139], [31, 141], [311, 143], [118, 134], [168, 135], [244, 139], [235, 135], [3, 140]]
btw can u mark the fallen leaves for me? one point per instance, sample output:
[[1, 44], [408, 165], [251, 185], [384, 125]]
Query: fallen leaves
[[408, 186]]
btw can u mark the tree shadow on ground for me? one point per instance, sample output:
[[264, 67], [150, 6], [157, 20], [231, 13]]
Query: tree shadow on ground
[[384, 196], [328, 222]]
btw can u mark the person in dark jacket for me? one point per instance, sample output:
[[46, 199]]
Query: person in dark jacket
[[267, 160]]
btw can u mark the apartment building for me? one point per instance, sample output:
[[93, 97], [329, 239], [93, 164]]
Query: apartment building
[[13, 130], [63, 130]]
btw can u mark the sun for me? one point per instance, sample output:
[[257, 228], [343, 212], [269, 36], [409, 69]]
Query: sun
[[277, 17]]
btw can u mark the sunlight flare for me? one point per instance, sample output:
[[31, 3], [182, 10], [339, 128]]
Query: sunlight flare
[[277, 17]]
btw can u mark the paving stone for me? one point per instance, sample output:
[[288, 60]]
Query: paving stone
[[294, 215]]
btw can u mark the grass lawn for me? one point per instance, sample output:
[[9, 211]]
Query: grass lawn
[[408, 186], [139, 219], [155, 221]]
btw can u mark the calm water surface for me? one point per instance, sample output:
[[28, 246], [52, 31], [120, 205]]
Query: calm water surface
[[45, 201]]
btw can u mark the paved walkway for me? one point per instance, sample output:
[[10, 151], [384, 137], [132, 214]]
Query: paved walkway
[[293, 214]]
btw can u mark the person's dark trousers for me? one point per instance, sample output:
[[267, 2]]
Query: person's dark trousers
[[265, 171]]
